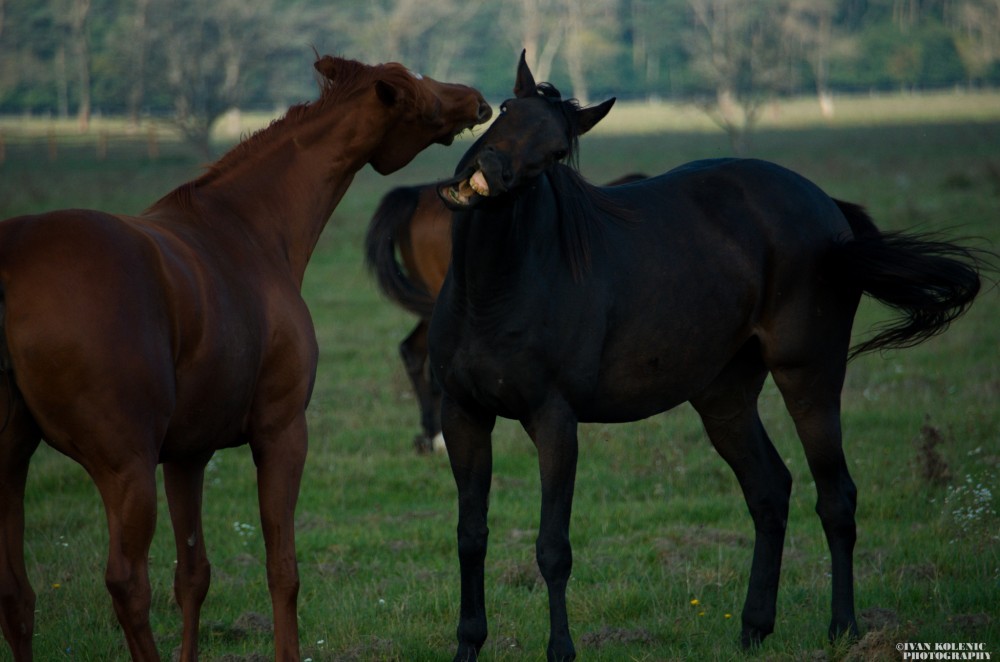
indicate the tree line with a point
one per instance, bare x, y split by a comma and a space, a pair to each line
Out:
191, 60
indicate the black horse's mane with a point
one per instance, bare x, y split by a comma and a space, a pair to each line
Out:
584, 209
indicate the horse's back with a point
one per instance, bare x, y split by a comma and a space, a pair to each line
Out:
718, 252
779, 200
725, 224
72, 259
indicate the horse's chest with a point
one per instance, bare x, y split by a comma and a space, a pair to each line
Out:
505, 371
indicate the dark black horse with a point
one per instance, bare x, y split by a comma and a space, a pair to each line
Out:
414, 221
571, 303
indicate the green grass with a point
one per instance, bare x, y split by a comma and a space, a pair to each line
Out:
658, 517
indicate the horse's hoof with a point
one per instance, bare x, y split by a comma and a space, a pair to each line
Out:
842, 632
423, 444
561, 650
751, 638
466, 654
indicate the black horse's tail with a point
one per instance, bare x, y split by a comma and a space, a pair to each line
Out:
930, 282
393, 213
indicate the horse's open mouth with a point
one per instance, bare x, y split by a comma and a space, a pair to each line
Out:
464, 191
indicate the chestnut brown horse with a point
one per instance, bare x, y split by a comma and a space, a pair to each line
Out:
414, 221
568, 303
130, 341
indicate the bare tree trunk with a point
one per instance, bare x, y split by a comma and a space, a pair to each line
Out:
62, 85
531, 28
574, 50
537, 19
80, 11
137, 89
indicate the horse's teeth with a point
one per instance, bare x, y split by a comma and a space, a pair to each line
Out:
478, 183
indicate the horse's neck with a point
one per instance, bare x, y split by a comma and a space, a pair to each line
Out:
499, 245
284, 192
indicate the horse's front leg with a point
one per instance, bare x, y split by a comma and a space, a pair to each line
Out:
553, 429
183, 483
280, 457
467, 437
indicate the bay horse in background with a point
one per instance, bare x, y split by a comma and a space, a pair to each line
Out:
570, 303
414, 221
130, 341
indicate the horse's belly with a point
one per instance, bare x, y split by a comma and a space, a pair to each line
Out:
639, 379
202, 431
636, 398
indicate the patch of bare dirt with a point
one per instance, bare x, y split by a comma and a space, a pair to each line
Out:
609, 635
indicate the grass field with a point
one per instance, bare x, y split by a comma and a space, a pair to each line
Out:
662, 538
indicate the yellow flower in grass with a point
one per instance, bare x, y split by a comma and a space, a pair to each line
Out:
695, 602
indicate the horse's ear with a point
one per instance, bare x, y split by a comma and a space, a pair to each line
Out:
589, 117
327, 66
524, 86
386, 92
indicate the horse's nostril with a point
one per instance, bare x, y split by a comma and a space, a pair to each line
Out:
485, 112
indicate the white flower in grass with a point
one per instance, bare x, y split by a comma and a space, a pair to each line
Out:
244, 530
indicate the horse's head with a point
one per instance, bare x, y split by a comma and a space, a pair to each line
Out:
534, 130
421, 111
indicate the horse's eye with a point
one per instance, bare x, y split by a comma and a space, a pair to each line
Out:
560, 154
503, 108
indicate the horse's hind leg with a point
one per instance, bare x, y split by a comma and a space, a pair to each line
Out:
280, 458
728, 410
19, 437
812, 397
183, 483
413, 351
129, 493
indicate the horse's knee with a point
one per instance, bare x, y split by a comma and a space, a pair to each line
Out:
555, 558
472, 542
124, 583
131, 597
283, 580
191, 582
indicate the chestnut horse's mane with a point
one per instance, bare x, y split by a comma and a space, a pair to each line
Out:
351, 77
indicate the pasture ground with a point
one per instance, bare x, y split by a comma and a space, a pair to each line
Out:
661, 535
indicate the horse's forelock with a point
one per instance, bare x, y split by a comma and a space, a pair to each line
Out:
569, 109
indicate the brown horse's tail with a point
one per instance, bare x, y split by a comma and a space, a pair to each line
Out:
930, 282
393, 215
